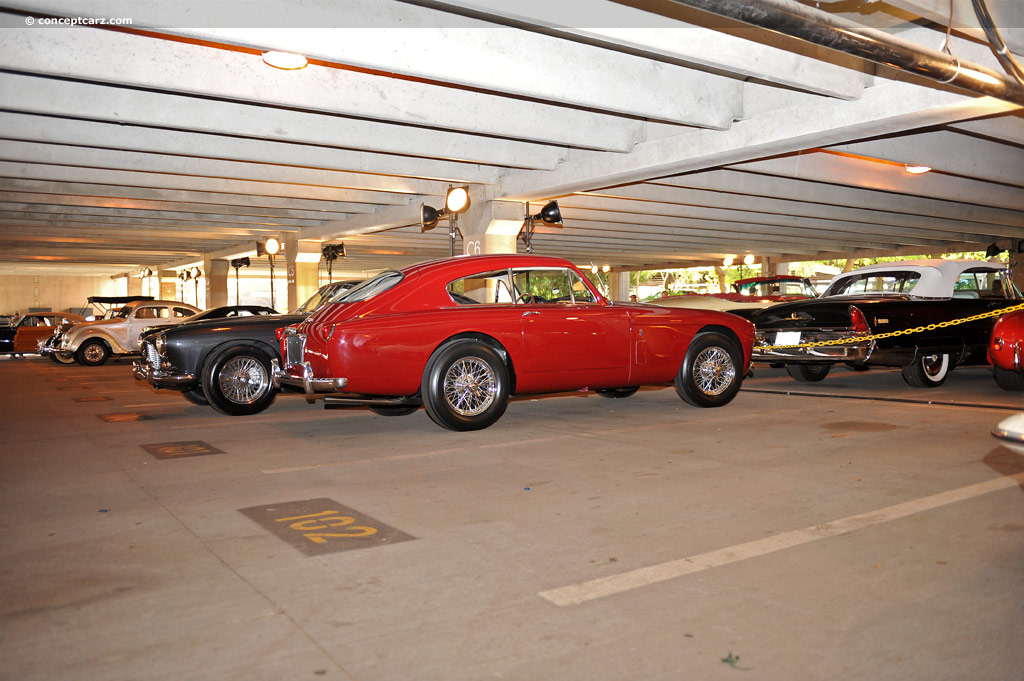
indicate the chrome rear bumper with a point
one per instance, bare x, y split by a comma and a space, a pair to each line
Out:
308, 383
765, 350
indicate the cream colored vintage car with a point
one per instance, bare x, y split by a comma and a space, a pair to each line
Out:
93, 343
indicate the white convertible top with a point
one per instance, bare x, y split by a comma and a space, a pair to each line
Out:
938, 277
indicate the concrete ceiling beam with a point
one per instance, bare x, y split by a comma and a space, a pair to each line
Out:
144, 61
622, 28
54, 130
89, 157
865, 174
159, 196
93, 101
885, 108
442, 47
259, 190
963, 155
747, 183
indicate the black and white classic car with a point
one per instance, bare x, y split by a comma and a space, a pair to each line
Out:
905, 314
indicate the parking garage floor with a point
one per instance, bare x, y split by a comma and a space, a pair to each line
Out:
850, 529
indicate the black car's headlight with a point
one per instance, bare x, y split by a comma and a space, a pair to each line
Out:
160, 343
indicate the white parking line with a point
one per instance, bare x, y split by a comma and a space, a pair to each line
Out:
467, 448
574, 594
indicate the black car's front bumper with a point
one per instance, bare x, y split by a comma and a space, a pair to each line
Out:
152, 369
162, 379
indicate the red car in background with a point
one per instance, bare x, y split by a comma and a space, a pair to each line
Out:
1006, 351
748, 295
459, 336
777, 289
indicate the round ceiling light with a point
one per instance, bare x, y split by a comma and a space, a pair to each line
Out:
286, 61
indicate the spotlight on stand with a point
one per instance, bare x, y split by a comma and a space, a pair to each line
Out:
194, 274
549, 215
146, 273
332, 252
993, 250
239, 263
184, 276
269, 247
456, 201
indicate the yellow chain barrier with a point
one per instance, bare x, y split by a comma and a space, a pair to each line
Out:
890, 334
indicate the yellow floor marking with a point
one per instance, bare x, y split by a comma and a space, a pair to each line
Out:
582, 592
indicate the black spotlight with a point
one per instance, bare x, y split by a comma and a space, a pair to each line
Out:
429, 217
549, 213
332, 252
993, 250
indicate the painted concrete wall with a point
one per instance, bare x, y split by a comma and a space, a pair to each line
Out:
59, 293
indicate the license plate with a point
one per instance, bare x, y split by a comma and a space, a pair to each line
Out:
787, 338
295, 346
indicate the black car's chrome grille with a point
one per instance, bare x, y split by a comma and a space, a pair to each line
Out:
295, 346
150, 355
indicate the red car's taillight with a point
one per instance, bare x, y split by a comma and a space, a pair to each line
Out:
860, 322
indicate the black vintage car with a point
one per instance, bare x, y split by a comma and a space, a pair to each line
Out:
893, 314
223, 362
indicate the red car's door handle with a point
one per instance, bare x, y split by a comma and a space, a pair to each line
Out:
530, 312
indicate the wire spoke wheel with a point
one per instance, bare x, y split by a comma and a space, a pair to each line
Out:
465, 385
715, 371
470, 386
243, 380
710, 375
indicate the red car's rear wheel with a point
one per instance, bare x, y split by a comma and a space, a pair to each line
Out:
465, 386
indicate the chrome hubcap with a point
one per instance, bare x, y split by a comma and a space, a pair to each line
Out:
714, 371
933, 365
470, 386
94, 352
243, 380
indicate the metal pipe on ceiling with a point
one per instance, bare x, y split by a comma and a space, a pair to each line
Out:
820, 28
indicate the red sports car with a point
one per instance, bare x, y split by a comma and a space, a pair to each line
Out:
458, 336
1006, 351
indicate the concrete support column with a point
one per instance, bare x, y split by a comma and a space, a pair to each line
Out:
487, 227
1017, 264
216, 272
303, 258
772, 266
168, 285
618, 286
722, 285
134, 286
493, 228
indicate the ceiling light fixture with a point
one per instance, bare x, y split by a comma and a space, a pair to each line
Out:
748, 259
916, 169
728, 261
286, 61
